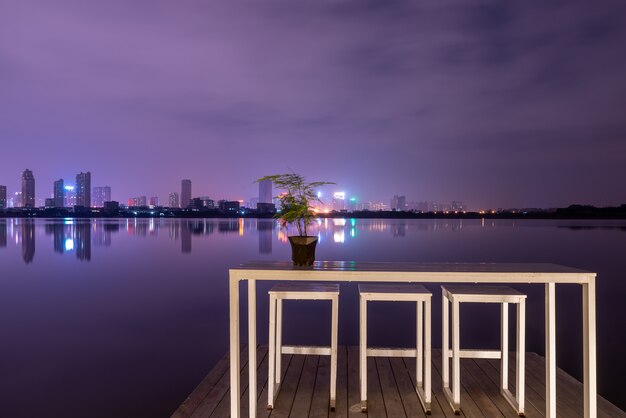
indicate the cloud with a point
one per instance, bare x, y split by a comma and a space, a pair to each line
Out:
405, 86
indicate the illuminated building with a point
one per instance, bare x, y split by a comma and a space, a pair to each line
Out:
339, 201
48, 202
207, 202
83, 189
174, 203
265, 191
398, 203
58, 194
3, 197
70, 196
138, 201
228, 206
185, 193
101, 195
28, 189
154, 201
458, 206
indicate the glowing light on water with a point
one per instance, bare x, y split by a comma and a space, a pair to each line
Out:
69, 244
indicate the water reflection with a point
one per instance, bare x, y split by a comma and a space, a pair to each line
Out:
78, 235
3, 233
28, 240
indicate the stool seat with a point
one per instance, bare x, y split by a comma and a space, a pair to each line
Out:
300, 291
482, 294
396, 291
422, 352
503, 295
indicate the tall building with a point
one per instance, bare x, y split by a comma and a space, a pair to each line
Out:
70, 196
185, 193
83, 189
398, 203
174, 203
339, 201
154, 201
3, 197
265, 191
59, 194
28, 189
101, 195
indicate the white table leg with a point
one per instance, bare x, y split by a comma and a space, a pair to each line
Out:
504, 346
589, 349
427, 353
252, 347
550, 351
363, 351
235, 410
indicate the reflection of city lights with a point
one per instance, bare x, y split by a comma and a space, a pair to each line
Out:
69, 244
353, 222
339, 222
68, 221
241, 226
339, 236
353, 232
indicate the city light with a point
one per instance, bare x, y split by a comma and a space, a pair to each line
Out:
69, 188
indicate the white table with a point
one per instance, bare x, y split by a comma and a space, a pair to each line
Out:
349, 271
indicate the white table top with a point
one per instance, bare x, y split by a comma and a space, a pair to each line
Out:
413, 272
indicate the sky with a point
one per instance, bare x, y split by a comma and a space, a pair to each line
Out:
495, 104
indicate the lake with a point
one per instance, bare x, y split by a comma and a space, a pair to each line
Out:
124, 317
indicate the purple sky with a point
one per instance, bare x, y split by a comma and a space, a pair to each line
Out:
495, 104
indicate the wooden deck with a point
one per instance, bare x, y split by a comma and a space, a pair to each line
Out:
391, 389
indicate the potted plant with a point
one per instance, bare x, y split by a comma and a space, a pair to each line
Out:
296, 209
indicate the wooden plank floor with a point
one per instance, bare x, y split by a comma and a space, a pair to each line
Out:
391, 389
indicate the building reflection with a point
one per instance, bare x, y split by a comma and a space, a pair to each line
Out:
185, 237
27, 230
265, 228
82, 242
3, 233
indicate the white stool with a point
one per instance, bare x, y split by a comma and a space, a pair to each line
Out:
483, 294
422, 352
300, 291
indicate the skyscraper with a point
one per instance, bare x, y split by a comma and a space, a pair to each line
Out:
154, 201
83, 189
174, 203
101, 195
3, 197
265, 191
185, 193
59, 194
28, 189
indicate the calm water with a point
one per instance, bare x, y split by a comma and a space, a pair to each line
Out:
123, 318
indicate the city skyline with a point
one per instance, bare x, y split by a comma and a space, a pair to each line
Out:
491, 104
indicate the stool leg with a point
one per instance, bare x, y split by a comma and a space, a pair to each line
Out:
504, 347
363, 352
333, 351
279, 338
419, 352
456, 356
521, 355
272, 359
